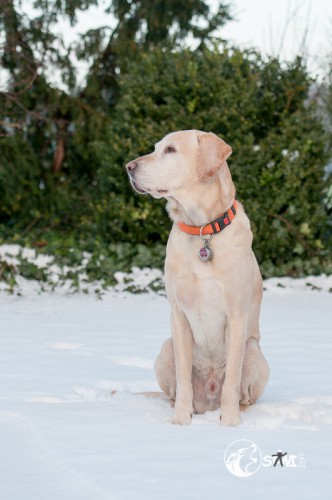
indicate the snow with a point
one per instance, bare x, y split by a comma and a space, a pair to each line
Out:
72, 427
136, 281
9, 253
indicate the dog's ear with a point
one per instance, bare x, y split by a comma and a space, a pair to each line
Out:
212, 154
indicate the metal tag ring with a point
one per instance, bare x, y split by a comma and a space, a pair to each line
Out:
201, 236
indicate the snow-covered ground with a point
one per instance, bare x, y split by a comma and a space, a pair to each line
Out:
64, 435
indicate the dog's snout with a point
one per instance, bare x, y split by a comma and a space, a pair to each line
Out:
131, 166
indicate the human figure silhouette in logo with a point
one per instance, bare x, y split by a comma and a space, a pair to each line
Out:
279, 458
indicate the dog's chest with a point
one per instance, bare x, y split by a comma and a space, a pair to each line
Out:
201, 299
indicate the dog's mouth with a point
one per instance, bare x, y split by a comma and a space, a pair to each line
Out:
139, 189
136, 186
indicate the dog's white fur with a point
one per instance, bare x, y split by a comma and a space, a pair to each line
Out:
214, 357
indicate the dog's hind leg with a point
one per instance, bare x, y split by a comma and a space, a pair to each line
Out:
206, 393
255, 373
165, 370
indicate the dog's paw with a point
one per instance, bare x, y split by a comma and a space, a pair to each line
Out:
180, 419
231, 420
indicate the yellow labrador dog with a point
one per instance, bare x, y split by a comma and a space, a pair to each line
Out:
212, 279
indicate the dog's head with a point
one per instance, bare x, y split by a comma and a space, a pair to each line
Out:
180, 160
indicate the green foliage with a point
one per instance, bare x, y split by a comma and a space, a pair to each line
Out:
19, 177
79, 270
142, 25
154, 22
8, 274
63, 187
261, 109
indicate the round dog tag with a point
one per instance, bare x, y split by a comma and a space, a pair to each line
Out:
205, 253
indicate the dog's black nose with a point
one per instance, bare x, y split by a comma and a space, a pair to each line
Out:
131, 165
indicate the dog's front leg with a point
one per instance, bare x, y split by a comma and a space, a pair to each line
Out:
235, 347
183, 351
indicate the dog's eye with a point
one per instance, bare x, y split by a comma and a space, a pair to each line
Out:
169, 149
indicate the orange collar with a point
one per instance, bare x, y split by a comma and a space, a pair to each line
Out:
213, 227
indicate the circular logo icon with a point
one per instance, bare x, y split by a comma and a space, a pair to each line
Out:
243, 458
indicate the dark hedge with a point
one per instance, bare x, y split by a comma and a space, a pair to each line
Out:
261, 108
